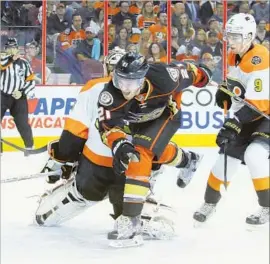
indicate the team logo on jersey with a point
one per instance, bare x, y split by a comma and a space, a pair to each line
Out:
237, 91
174, 73
256, 60
105, 98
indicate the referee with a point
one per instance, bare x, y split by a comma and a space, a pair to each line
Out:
17, 85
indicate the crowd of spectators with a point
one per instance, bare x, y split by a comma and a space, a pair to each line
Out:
75, 32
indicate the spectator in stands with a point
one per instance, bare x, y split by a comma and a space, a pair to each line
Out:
148, 16
188, 53
56, 22
90, 48
206, 11
261, 33
218, 13
145, 42
215, 26
124, 12
73, 35
111, 33
31, 51
160, 6
121, 39
214, 66
214, 45
200, 39
188, 37
156, 53
133, 32
87, 12
185, 25
136, 8
261, 10
99, 4
175, 43
192, 9
244, 8
159, 30
179, 9
98, 21
113, 9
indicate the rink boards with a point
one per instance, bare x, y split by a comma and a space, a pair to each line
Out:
201, 118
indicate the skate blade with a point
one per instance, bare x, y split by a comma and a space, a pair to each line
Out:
136, 241
254, 228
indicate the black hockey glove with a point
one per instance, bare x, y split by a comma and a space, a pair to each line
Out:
206, 76
123, 153
229, 132
221, 97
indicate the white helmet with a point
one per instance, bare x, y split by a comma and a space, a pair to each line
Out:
243, 24
112, 58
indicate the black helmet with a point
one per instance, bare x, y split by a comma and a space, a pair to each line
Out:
11, 43
131, 66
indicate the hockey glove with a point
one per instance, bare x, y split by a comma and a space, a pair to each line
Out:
58, 170
203, 75
229, 132
221, 97
123, 153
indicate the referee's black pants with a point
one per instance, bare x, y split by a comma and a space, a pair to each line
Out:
19, 110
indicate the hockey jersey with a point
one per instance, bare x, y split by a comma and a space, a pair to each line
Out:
80, 134
248, 78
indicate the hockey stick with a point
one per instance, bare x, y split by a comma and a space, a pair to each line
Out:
225, 104
244, 102
26, 151
225, 165
33, 176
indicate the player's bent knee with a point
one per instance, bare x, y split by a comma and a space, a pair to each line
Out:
61, 204
256, 151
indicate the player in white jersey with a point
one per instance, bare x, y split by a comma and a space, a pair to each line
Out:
245, 136
95, 178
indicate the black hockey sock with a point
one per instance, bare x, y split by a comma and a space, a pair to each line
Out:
211, 196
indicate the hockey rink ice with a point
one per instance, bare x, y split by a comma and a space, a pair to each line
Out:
224, 240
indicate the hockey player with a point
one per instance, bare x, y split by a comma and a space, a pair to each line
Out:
245, 136
143, 101
95, 178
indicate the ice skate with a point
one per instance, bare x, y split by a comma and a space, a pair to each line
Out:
186, 173
258, 220
203, 214
128, 230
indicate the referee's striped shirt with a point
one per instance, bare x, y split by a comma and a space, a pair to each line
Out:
17, 75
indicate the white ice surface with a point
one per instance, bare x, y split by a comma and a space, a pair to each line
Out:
83, 240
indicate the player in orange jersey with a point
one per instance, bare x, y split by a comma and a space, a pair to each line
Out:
245, 136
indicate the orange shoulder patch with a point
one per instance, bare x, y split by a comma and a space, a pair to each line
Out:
90, 84
256, 59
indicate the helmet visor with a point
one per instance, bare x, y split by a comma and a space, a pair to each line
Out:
233, 38
128, 87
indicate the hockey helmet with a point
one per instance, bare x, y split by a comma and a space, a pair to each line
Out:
129, 73
132, 66
242, 24
11, 43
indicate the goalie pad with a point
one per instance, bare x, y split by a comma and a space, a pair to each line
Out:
158, 220
60, 204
